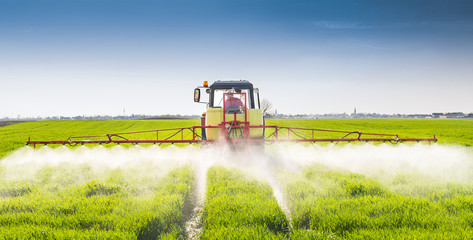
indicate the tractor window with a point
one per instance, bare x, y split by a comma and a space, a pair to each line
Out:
256, 98
218, 96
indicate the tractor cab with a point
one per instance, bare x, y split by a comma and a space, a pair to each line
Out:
233, 89
232, 107
217, 90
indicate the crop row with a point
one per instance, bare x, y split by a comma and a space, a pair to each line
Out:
64, 203
239, 207
352, 206
72, 203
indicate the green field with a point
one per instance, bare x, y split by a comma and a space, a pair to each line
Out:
448, 131
15, 136
80, 200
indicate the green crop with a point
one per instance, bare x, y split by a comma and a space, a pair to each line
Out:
447, 131
75, 203
72, 201
15, 136
352, 206
237, 207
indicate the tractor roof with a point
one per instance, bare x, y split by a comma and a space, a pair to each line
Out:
230, 84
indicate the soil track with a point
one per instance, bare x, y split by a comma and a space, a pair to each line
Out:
6, 123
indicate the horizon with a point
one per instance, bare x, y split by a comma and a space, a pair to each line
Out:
271, 115
97, 57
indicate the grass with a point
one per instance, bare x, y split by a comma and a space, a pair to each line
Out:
15, 136
71, 202
447, 131
351, 206
238, 207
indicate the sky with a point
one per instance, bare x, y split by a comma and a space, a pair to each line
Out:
99, 57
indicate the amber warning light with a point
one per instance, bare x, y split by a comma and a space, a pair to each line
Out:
206, 84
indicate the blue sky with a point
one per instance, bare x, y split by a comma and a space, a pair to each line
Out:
84, 57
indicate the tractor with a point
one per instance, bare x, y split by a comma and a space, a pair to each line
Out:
233, 111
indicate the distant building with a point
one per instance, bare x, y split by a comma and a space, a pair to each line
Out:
353, 115
449, 115
455, 115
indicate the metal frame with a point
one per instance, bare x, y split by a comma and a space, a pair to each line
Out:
279, 134
227, 127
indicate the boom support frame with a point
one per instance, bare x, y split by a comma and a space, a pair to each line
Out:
189, 135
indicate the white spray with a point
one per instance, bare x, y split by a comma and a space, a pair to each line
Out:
135, 161
26, 162
203, 161
260, 166
440, 162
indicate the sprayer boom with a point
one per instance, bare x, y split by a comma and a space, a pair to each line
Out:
190, 136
